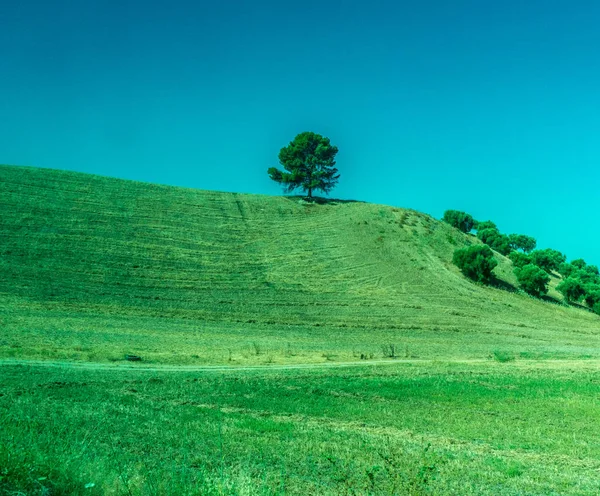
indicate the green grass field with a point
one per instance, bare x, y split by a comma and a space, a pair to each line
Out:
491, 391
426, 428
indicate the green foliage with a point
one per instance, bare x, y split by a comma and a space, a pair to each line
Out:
587, 277
566, 269
596, 308
309, 163
476, 262
592, 295
572, 289
586, 272
486, 224
548, 259
522, 242
533, 280
495, 240
519, 259
460, 220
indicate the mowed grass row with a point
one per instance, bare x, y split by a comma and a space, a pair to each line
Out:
95, 267
490, 428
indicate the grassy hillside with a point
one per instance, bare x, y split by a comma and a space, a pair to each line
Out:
93, 268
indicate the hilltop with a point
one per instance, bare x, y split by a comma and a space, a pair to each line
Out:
95, 267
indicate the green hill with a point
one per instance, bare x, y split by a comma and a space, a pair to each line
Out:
92, 268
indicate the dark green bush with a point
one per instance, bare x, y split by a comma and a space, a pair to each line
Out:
592, 295
533, 280
475, 262
572, 289
461, 220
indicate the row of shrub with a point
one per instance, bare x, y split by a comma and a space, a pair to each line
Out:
580, 281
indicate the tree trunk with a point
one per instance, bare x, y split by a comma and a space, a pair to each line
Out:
310, 192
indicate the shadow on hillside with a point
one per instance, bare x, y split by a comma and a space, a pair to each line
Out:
319, 200
549, 299
500, 284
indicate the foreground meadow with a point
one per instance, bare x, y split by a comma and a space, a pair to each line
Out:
519, 427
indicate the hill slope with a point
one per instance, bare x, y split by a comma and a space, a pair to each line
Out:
94, 267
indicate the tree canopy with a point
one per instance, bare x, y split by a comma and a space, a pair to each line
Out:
522, 242
533, 280
309, 164
572, 289
495, 240
475, 262
486, 224
461, 220
548, 259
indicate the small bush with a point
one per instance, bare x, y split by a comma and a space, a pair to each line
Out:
502, 356
476, 262
461, 220
533, 280
389, 350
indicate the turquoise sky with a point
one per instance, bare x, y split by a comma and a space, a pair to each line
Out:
488, 107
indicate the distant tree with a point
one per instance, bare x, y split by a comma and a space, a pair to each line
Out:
461, 220
475, 262
519, 259
572, 289
522, 242
495, 240
547, 259
592, 269
579, 263
533, 280
486, 224
309, 163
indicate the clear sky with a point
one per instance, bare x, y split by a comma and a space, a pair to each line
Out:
488, 107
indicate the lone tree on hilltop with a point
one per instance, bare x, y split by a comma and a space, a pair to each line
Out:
309, 163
